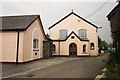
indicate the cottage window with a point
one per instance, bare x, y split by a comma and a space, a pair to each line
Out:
84, 48
63, 33
92, 46
35, 43
82, 33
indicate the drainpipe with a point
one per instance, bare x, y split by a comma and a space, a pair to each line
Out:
59, 48
17, 47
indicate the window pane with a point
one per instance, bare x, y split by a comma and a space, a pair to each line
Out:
82, 33
85, 34
63, 33
35, 43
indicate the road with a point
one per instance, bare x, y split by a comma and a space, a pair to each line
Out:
11, 69
85, 67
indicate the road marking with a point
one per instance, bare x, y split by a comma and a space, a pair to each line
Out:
103, 75
104, 70
98, 77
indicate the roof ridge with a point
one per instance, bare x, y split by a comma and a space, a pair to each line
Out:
17, 23
112, 11
19, 15
61, 19
75, 15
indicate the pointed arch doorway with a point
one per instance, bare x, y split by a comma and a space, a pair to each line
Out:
73, 49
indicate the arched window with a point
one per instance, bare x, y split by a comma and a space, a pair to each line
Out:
92, 46
82, 33
35, 39
84, 48
53, 48
63, 33
35, 43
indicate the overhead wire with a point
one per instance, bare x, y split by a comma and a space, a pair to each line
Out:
97, 10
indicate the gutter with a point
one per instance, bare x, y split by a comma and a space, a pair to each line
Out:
17, 47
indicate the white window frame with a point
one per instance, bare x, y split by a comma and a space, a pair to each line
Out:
35, 43
62, 33
82, 33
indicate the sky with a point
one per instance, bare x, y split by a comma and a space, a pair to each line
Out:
50, 12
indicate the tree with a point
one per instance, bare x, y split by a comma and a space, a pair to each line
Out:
110, 45
103, 45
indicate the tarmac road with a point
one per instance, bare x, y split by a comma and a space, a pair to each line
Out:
87, 67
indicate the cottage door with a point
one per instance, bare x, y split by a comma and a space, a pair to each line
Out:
72, 49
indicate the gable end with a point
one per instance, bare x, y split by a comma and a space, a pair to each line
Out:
75, 15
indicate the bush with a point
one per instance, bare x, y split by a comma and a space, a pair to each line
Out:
113, 64
118, 70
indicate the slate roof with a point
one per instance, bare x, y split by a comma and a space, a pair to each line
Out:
75, 15
113, 11
22, 22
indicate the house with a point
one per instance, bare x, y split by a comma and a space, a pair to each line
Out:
74, 36
114, 18
22, 38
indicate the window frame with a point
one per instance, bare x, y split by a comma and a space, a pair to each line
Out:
82, 33
92, 45
63, 33
35, 44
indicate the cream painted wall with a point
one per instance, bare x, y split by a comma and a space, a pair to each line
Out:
26, 53
73, 23
29, 54
0, 46
20, 53
9, 43
64, 46
57, 48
